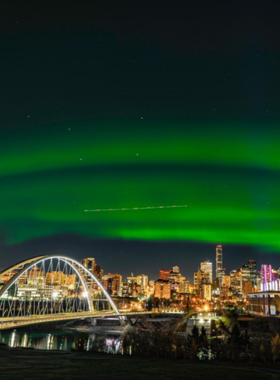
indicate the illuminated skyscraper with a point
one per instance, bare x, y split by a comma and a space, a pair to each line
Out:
249, 272
162, 289
266, 275
206, 267
96, 270
226, 281
219, 258
89, 263
142, 280
221, 272
235, 281
184, 286
164, 275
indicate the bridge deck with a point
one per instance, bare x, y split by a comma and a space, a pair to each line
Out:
12, 322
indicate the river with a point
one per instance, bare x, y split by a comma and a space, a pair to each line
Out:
62, 340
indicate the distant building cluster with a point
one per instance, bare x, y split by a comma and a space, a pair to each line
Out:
245, 288
210, 288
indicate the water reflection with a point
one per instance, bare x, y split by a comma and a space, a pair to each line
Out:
63, 340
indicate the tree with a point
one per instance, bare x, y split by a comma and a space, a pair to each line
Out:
220, 325
262, 352
275, 348
233, 344
229, 318
187, 314
193, 343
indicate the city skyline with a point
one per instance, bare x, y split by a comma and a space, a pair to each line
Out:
185, 268
40, 280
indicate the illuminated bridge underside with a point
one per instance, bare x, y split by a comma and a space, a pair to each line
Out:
51, 288
8, 323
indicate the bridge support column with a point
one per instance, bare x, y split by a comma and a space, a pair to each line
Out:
131, 322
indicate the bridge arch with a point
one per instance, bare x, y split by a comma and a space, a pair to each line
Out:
24, 267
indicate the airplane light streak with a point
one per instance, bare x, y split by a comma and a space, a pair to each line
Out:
135, 208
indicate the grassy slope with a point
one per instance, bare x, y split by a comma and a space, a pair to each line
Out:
29, 364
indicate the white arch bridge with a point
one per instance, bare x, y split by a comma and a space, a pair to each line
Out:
51, 288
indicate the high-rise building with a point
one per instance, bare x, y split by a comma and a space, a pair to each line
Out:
130, 288
164, 275
266, 275
184, 286
219, 258
235, 281
175, 275
258, 287
132, 280
112, 283
96, 270
200, 278
226, 281
224, 292
142, 280
162, 289
206, 267
176, 269
207, 292
197, 279
249, 272
220, 273
89, 263
247, 287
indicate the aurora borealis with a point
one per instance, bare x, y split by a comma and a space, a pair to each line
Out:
230, 190
99, 117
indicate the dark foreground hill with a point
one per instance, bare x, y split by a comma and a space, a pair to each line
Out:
30, 364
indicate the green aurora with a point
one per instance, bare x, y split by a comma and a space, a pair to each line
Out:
227, 174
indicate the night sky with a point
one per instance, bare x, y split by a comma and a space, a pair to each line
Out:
117, 105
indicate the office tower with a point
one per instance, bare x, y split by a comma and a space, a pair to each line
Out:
220, 273
249, 272
200, 279
184, 286
258, 287
207, 292
89, 263
142, 280
197, 279
266, 276
96, 270
219, 258
112, 283
224, 293
235, 281
164, 275
247, 287
226, 281
206, 267
174, 276
162, 289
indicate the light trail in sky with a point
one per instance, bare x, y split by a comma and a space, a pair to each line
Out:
134, 208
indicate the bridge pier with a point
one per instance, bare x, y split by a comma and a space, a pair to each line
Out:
134, 322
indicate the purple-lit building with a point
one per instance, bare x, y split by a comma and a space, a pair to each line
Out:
266, 276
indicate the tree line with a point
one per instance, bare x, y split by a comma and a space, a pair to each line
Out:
259, 341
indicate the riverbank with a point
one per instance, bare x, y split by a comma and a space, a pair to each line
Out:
33, 364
